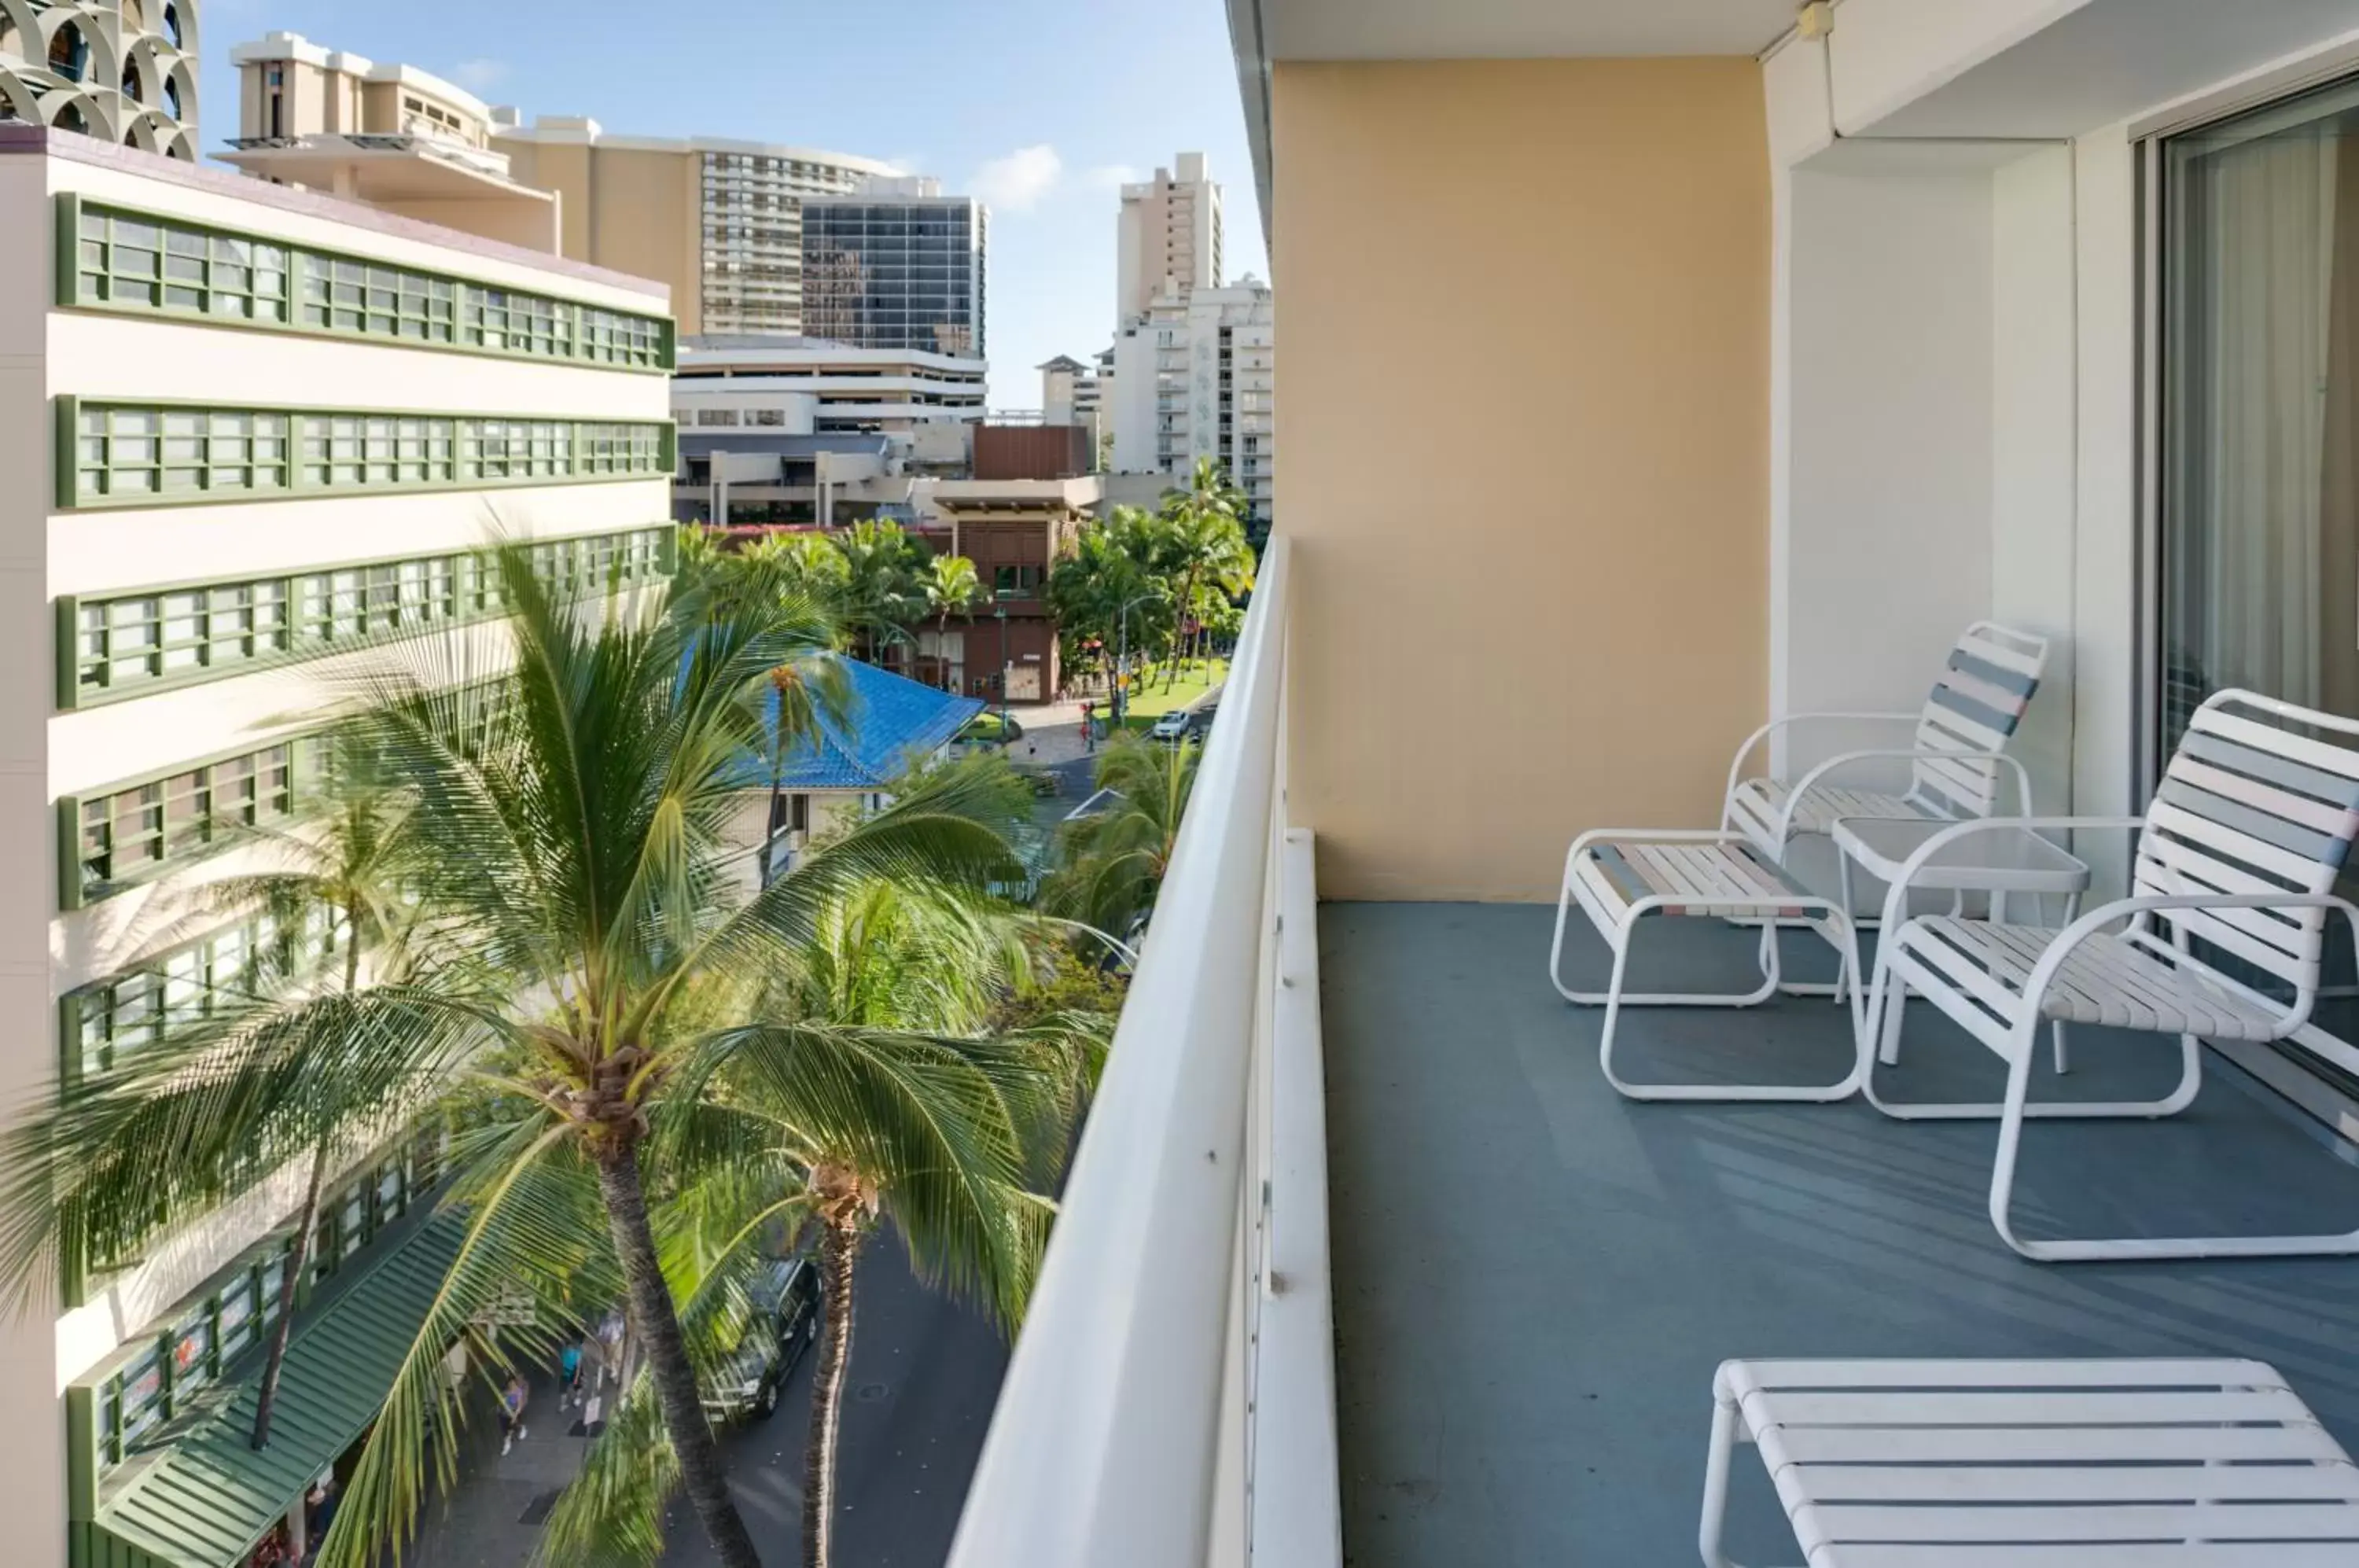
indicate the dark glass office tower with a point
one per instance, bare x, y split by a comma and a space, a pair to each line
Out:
883, 269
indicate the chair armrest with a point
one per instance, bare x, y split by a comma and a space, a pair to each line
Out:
1803, 785
2051, 959
1736, 763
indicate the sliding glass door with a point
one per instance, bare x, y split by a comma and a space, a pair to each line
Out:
2259, 567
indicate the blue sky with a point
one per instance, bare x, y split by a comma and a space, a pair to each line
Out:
1039, 106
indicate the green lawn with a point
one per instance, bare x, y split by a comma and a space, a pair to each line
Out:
1151, 701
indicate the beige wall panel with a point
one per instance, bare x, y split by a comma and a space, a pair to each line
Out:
1524, 332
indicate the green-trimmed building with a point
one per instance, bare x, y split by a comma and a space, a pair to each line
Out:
245, 429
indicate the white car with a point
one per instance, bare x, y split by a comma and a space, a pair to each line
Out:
1171, 726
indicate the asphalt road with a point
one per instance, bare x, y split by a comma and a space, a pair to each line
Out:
925, 1373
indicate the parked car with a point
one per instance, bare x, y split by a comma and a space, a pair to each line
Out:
1171, 726
785, 1322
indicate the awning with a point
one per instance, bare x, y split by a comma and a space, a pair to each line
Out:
208, 1498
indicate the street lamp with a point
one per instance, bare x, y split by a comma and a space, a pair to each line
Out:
1121, 654
999, 613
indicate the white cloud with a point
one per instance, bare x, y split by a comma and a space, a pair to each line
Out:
479, 75
907, 162
1017, 182
1110, 176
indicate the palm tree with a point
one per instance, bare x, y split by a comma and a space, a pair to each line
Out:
952, 588
1205, 543
349, 864
567, 800
1109, 865
882, 595
885, 1100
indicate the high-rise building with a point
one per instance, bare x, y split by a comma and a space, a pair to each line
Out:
1169, 237
1070, 395
720, 222
251, 436
1194, 378
897, 265
125, 71
392, 136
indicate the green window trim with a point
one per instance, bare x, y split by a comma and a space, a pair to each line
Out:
114, 452
152, 1377
133, 643
133, 261
129, 833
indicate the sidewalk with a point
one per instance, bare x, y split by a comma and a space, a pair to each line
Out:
493, 1516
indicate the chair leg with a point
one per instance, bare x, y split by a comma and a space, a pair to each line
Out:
2056, 1037
1895, 1003
1716, 1482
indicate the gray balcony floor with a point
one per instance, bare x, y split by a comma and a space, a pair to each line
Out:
1534, 1277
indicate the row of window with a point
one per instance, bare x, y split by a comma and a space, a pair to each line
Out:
129, 835
221, 971
127, 644
124, 453
132, 260
192, 1349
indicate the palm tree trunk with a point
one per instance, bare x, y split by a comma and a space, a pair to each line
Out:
267, 1398
653, 1321
839, 1248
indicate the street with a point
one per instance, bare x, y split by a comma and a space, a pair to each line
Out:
925, 1372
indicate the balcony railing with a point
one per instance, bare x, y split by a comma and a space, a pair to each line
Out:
1172, 1399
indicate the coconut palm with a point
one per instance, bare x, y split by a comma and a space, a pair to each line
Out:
952, 588
347, 863
882, 595
886, 1101
1204, 543
567, 803
1111, 865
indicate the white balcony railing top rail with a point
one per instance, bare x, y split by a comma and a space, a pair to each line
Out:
1126, 1432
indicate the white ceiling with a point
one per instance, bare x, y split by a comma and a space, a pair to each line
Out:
1509, 29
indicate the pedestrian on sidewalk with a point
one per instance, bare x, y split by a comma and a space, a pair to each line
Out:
512, 1402
569, 1368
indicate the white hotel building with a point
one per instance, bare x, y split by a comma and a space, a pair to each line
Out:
241, 427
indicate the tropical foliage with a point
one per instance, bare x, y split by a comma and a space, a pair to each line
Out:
1111, 865
644, 1074
1177, 569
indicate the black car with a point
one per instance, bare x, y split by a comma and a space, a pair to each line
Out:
786, 1320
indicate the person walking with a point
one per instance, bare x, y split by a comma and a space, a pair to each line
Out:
569, 1368
512, 1402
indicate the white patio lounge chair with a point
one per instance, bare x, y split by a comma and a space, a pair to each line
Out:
1956, 752
2083, 1464
2239, 851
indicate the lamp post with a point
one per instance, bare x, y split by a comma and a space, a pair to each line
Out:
1121, 655
999, 613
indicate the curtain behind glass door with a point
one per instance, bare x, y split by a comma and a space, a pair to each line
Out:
2260, 551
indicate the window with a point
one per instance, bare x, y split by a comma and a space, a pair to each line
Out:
716, 416
129, 835
139, 261
132, 454
1016, 582
125, 645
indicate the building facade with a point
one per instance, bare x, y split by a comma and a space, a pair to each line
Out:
897, 266
1169, 237
1014, 531
719, 223
392, 136
1196, 378
246, 428
122, 71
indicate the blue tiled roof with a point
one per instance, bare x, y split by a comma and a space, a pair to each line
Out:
889, 723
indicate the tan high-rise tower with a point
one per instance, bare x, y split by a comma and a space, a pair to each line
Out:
1171, 237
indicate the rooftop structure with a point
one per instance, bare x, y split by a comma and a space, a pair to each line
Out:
122, 71
391, 135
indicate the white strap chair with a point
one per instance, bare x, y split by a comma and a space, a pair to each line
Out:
1956, 752
2239, 851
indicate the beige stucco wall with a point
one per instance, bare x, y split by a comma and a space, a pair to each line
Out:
1524, 330
636, 210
